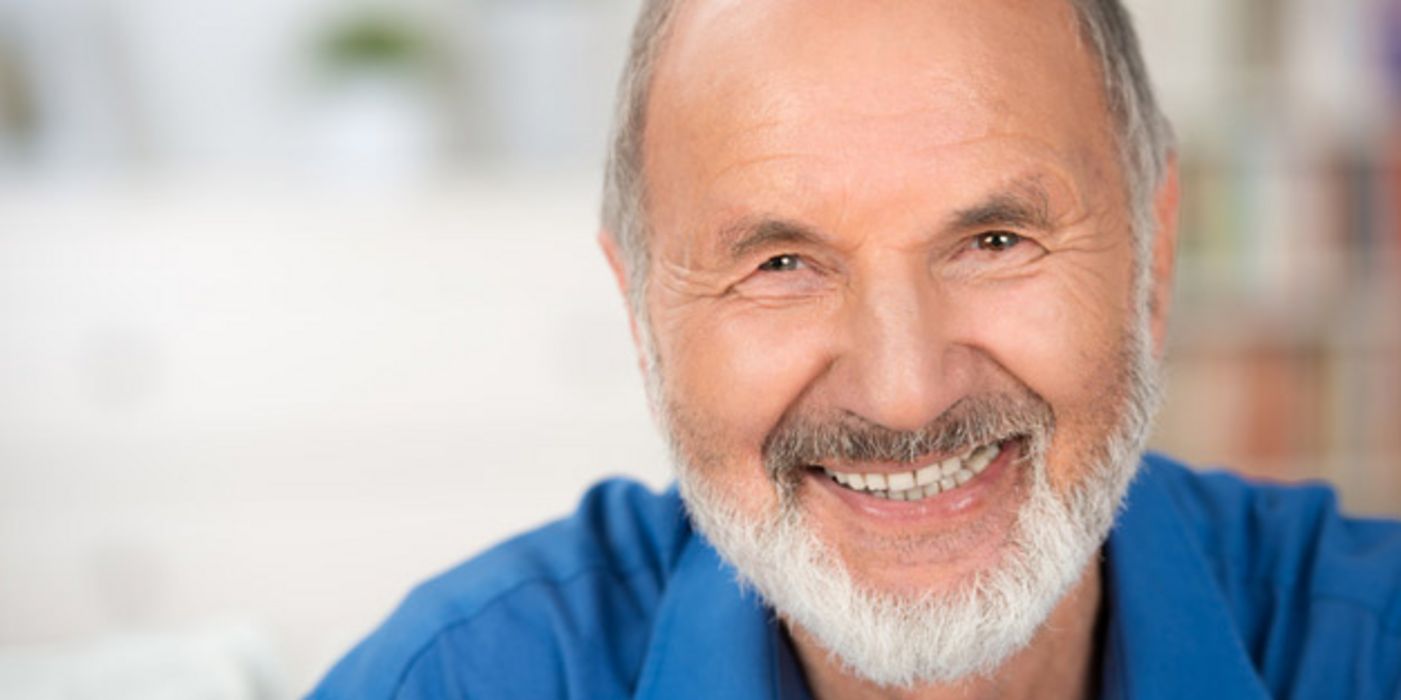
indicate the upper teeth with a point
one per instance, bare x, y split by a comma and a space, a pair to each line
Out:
920, 483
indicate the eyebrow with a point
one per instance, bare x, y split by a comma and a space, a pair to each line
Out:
747, 236
1025, 204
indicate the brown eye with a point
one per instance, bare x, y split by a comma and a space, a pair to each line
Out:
781, 263
996, 241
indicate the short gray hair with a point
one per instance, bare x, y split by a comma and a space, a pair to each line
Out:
1144, 136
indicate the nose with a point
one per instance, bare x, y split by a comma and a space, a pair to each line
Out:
900, 366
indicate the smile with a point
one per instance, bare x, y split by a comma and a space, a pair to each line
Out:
931, 480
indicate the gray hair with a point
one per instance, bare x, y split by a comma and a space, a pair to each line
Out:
1144, 136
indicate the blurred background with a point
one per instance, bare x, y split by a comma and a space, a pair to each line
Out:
299, 303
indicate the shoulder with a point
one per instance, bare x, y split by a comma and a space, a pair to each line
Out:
1316, 593
1288, 535
566, 606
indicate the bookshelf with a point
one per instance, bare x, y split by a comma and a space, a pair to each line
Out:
1284, 357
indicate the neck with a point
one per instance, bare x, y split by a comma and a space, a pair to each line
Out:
1059, 662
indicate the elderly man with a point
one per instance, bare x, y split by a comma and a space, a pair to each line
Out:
899, 275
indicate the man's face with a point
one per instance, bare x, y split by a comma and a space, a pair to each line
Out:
895, 217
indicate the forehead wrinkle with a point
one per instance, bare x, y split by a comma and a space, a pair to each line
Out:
732, 167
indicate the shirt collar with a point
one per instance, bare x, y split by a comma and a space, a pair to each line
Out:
1169, 631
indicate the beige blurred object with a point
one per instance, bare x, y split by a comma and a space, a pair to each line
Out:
16, 104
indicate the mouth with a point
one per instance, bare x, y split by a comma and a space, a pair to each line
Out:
937, 476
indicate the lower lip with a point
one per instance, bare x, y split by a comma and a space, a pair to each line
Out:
969, 497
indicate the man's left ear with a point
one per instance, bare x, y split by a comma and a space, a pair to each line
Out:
1165, 206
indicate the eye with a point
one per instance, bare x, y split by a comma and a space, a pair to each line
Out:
996, 241
781, 263
995, 253
784, 277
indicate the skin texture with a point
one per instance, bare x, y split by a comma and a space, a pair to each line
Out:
823, 177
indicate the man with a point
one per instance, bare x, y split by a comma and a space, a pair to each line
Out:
898, 274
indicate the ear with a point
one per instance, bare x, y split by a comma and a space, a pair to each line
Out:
609, 244
1165, 208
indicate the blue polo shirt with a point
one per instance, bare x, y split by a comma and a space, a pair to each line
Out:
1214, 588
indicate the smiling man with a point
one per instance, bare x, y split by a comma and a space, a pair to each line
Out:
898, 274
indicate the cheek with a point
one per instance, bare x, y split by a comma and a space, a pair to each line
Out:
1063, 337
737, 372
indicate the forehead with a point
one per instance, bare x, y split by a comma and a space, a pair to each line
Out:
871, 91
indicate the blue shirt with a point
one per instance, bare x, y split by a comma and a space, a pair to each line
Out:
1214, 588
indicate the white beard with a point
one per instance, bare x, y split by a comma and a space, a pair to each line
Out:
904, 640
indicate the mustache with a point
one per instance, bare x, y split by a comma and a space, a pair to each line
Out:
802, 440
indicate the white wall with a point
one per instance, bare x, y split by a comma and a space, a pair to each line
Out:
243, 403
